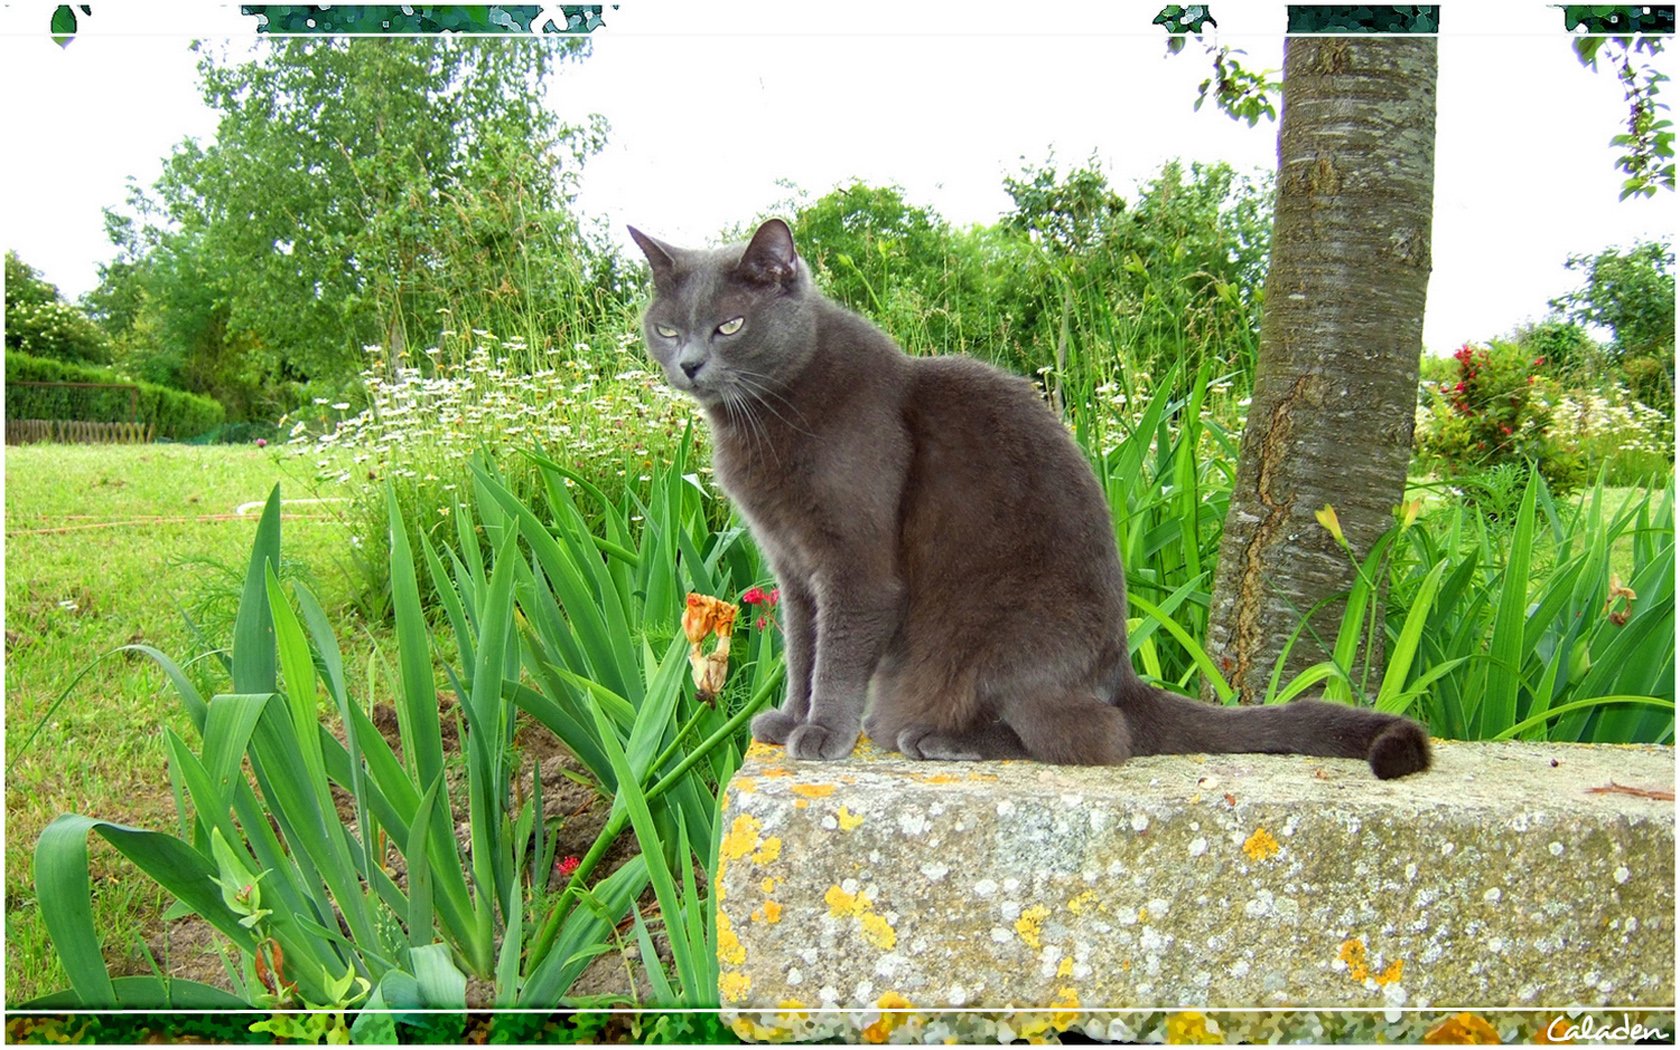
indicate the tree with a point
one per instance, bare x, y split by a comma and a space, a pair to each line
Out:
1631, 293
40, 322
355, 190
1336, 384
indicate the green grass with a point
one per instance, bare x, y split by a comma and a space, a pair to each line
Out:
74, 595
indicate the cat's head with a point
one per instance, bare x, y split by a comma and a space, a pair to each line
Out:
729, 324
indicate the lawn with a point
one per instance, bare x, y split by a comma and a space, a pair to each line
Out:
106, 546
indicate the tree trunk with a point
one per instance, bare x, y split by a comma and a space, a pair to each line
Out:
1336, 385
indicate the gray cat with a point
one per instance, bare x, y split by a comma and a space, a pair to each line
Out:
939, 540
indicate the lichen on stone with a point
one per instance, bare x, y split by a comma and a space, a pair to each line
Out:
1260, 845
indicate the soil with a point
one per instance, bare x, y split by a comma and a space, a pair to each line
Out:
190, 948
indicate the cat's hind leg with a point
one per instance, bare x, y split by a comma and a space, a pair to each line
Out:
989, 741
1073, 728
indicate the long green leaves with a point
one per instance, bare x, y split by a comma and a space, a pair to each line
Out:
550, 619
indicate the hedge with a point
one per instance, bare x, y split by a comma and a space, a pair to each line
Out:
176, 414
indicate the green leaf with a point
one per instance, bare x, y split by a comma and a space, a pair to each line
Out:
146, 992
1405, 647
254, 669
1505, 646
1580, 705
64, 892
63, 25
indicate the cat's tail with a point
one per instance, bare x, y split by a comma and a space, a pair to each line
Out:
1163, 723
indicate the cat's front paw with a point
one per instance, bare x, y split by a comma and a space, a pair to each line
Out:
773, 727
820, 742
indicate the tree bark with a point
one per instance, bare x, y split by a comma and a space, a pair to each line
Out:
1342, 333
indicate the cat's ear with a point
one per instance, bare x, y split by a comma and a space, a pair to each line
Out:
661, 257
770, 257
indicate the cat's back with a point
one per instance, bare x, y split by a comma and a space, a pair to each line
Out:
986, 444
974, 411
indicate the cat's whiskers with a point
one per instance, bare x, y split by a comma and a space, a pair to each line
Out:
753, 385
740, 410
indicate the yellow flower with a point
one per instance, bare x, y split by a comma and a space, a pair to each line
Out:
1408, 513
1327, 517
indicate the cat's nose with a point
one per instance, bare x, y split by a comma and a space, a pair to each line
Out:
691, 367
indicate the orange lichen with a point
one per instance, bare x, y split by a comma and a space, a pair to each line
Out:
1067, 1007
742, 839
734, 986
1352, 952
891, 1004
1190, 1027
1030, 923
1463, 1029
878, 931
768, 852
842, 904
1260, 845
730, 951
814, 790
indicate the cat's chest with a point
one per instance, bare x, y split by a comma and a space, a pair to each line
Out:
778, 497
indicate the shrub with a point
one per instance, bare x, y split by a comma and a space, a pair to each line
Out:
1498, 411
40, 322
596, 408
175, 413
1618, 433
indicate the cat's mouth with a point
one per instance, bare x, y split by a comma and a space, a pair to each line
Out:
697, 387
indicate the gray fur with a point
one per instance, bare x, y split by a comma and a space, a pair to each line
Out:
944, 552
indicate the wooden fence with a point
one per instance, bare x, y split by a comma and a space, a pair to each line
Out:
77, 432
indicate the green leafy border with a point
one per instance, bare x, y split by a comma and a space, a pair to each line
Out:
1371, 18
308, 19
474, 1027
1619, 21
385, 19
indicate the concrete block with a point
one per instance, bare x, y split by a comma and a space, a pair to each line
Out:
1511, 875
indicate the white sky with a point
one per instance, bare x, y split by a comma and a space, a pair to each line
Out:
713, 105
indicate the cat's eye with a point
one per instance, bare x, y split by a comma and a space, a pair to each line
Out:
731, 327
668, 333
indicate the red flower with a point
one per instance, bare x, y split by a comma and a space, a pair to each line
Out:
760, 623
756, 596
566, 866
